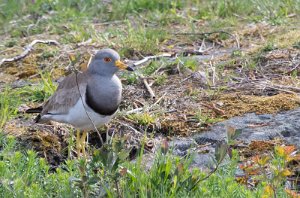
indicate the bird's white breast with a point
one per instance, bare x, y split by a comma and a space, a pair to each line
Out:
81, 116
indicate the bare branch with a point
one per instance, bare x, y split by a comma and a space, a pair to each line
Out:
27, 50
149, 89
147, 58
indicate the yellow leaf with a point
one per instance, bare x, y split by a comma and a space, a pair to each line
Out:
268, 192
72, 57
285, 172
263, 160
280, 151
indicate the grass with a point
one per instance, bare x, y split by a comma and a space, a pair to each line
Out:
204, 119
8, 104
10, 99
144, 119
24, 174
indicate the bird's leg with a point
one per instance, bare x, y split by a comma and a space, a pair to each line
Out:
82, 141
78, 143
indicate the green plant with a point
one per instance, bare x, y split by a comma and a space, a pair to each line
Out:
42, 91
296, 45
9, 100
151, 68
190, 63
160, 79
131, 78
269, 47
205, 119
141, 39
109, 173
144, 119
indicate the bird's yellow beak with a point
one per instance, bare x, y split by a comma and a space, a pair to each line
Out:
122, 65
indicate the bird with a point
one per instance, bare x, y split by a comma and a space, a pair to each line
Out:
86, 99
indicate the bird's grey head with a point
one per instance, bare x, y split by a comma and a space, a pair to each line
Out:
107, 62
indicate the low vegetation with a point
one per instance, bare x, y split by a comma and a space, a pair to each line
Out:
109, 173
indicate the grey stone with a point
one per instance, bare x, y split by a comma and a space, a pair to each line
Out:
285, 125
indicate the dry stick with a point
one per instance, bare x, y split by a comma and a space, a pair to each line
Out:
130, 127
147, 58
280, 87
202, 45
146, 108
159, 99
148, 88
84, 43
28, 50
134, 110
213, 70
293, 69
237, 41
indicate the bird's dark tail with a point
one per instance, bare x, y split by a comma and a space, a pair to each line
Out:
34, 110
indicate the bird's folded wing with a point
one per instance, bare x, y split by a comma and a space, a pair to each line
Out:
66, 95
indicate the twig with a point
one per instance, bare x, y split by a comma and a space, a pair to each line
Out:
280, 87
148, 88
202, 33
145, 108
84, 43
28, 50
159, 99
293, 69
147, 58
202, 46
213, 69
127, 125
134, 110
214, 108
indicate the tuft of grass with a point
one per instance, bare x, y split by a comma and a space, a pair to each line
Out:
141, 40
268, 47
9, 101
204, 119
131, 78
144, 119
191, 64
151, 68
160, 79
42, 91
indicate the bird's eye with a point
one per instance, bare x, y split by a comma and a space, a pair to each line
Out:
107, 59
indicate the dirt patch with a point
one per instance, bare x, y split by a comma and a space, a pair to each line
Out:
49, 141
236, 104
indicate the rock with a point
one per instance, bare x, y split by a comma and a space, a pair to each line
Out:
284, 125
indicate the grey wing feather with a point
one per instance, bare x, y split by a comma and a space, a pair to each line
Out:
66, 95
